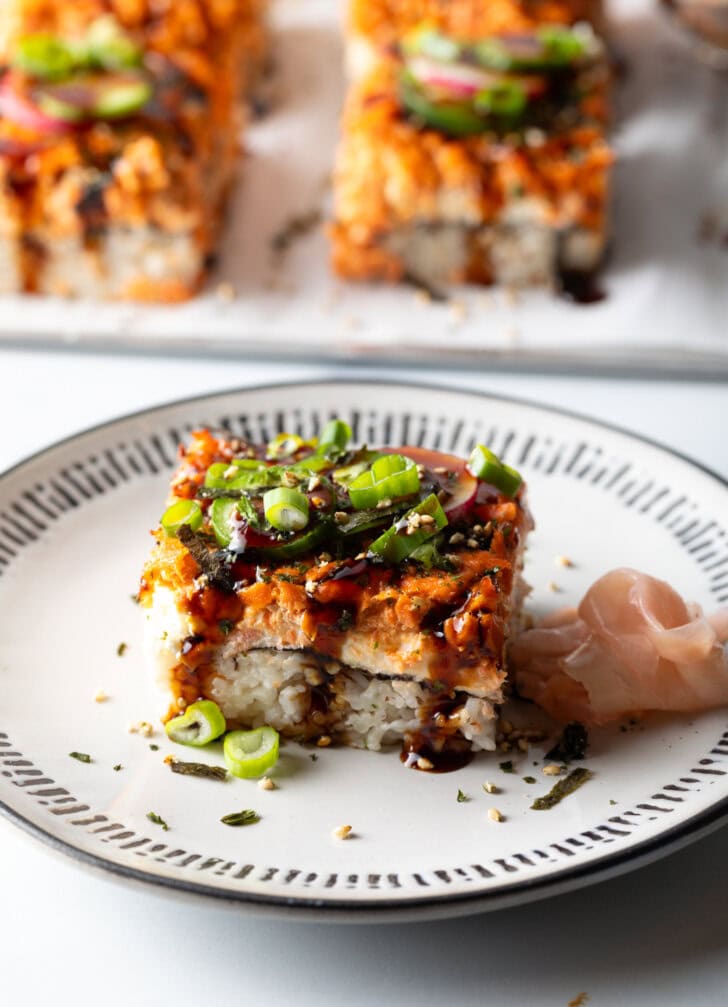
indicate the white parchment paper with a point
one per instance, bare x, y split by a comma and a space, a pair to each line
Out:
667, 280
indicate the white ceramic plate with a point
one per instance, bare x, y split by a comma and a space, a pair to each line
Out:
74, 524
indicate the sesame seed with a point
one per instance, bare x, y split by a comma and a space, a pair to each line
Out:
490, 788
310, 586
495, 815
477, 528
360, 555
426, 519
325, 557
230, 472
554, 588
523, 744
458, 311
265, 783
564, 561
324, 741
100, 696
457, 538
313, 483
441, 470
423, 763
552, 770
342, 832
383, 504
290, 479
341, 517
472, 543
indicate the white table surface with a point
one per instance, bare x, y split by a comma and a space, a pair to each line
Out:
658, 936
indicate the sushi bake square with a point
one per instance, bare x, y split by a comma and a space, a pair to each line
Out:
120, 127
481, 160
295, 597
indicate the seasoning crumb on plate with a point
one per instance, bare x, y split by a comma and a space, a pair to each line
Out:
342, 832
265, 783
564, 561
142, 727
495, 815
100, 696
552, 770
490, 788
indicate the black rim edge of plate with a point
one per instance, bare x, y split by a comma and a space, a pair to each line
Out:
610, 863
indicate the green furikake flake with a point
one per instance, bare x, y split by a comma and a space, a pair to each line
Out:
225, 626
246, 817
121, 649
154, 817
117, 767
197, 769
313, 757
506, 767
80, 756
462, 798
529, 779
562, 789
154, 748
612, 802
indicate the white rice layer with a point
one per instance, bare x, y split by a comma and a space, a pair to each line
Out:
519, 253
307, 695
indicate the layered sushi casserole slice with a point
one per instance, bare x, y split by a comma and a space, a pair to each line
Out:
477, 154
339, 594
120, 126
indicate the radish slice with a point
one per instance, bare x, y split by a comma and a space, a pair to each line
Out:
18, 109
457, 79
463, 490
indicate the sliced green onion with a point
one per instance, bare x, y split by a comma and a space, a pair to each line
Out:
336, 434
409, 533
487, 466
284, 445
117, 98
286, 509
179, 513
390, 477
426, 41
251, 753
348, 473
44, 56
243, 474
108, 48
200, 724
562, 45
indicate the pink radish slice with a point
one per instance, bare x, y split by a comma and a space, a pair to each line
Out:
459, 80
18, 109
463, 490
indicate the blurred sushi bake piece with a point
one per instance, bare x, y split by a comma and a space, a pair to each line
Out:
477, 157
120, 126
